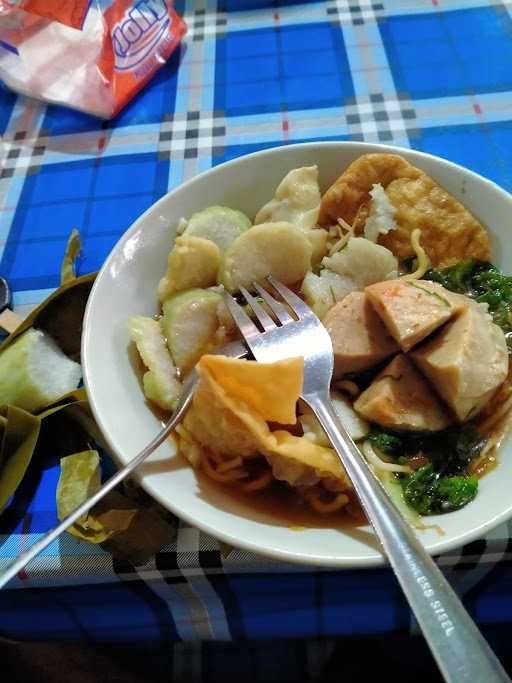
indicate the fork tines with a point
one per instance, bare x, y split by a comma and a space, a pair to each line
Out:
281, 314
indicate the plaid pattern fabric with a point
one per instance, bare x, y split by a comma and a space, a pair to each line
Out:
251, 74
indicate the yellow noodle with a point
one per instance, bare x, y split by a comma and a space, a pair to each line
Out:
489, 446
216, 457
349, 387
227, 478
503, 432
260, 483
493, 420
496, 439
337, 246
421, 256
331, 506
229, 464
252, 456
188, 447
485, 460
346, 226
379, 464
501, 428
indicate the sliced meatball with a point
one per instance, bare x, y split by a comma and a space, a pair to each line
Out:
359, 338
411, 310
466, 361
401, 399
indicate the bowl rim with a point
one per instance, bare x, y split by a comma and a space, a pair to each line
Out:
377, 560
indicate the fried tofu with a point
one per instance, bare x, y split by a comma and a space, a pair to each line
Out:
359, 339
351, 190
411, 310
466, 361
449, 232
401, 399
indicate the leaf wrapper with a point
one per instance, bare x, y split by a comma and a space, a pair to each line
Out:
22, 436
19, 431
119, 524
60, 315
131, 529
73, 247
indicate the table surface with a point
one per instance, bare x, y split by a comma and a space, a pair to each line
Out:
433, 75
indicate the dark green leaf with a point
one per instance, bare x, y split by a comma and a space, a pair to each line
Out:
419, 489
483, 282
442, 484
450, 451
390, 444
427, 492
457, 491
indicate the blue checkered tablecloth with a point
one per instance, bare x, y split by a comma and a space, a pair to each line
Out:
434, 75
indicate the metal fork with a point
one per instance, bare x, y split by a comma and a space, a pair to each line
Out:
458, 647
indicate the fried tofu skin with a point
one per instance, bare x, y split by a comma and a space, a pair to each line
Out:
449, 232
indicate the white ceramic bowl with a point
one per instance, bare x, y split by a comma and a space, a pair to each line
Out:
126, 286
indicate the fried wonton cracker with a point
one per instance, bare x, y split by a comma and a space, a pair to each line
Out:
449, 232
231, 406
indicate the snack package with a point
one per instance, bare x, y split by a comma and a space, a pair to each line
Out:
91, 55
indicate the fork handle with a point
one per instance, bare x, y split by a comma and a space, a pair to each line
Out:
457, 645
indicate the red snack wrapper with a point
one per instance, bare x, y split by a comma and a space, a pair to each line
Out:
89, 55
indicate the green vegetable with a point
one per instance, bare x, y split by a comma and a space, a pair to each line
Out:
442, 484
445, 302
458, 278
392, 483
484, 283
458, 491
427, 492
450, 450
385, 442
